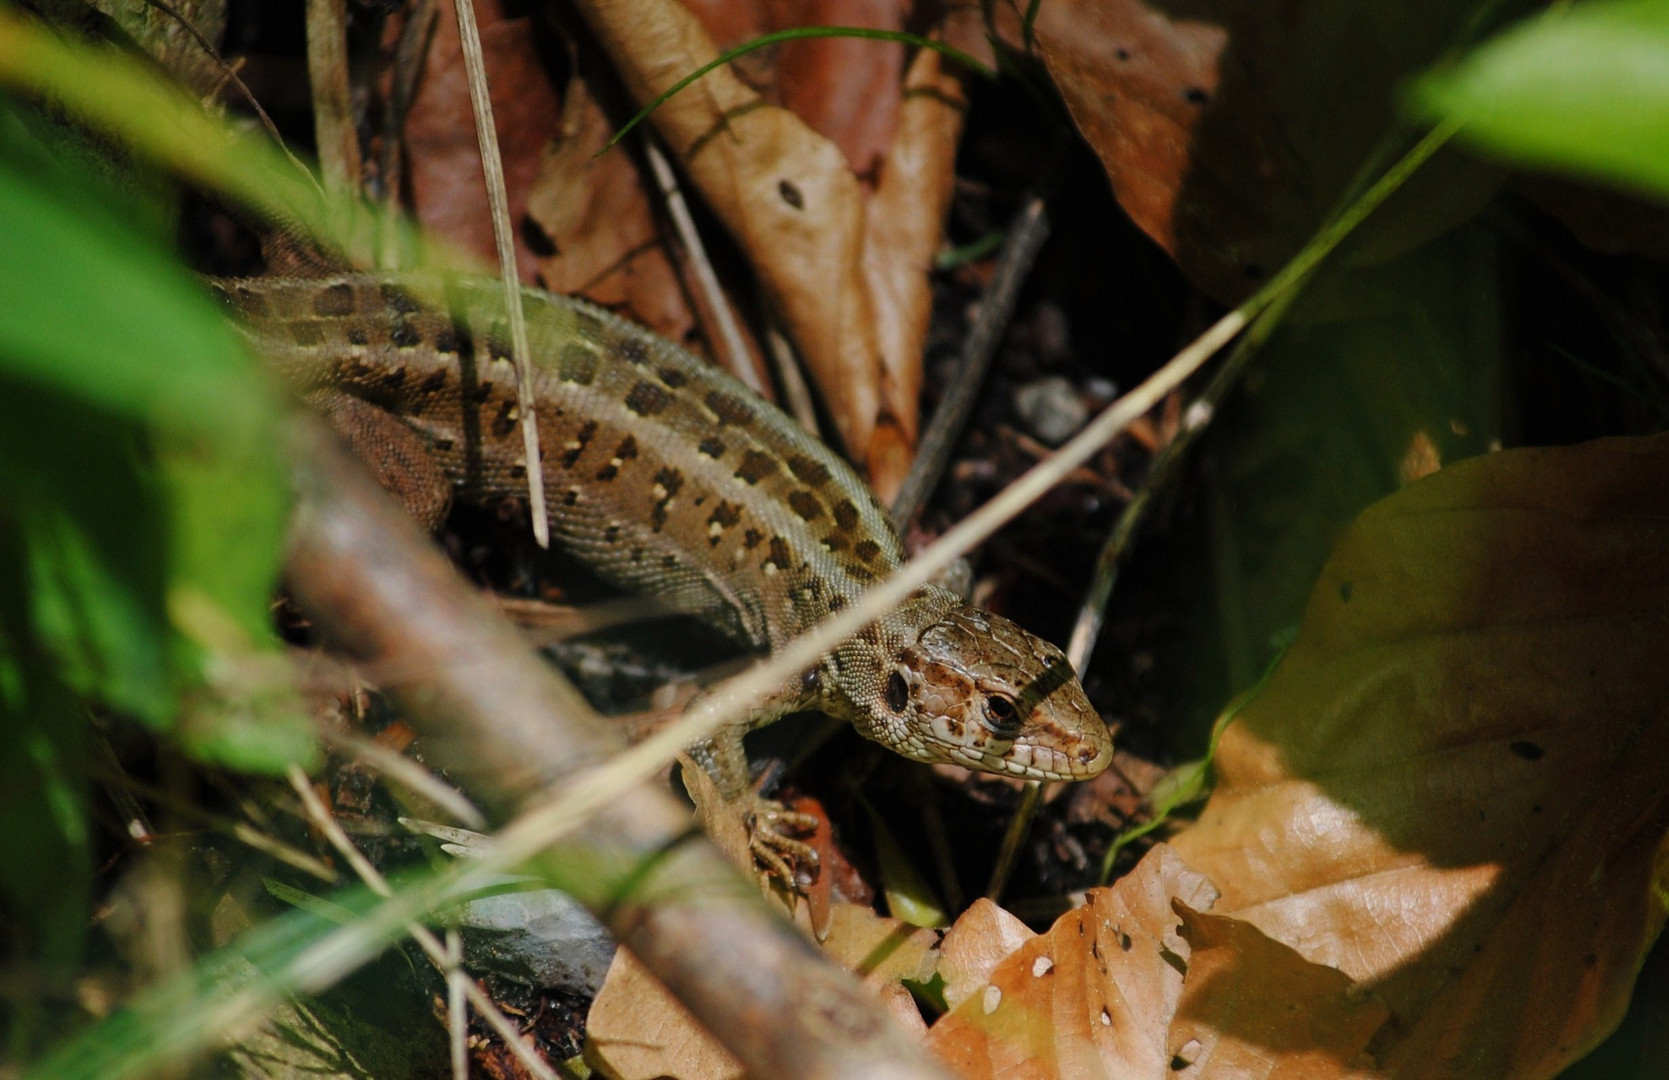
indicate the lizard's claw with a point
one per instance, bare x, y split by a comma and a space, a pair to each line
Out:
771, 828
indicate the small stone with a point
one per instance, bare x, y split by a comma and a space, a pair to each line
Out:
1051, 409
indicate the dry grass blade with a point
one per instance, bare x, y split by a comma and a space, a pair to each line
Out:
498, 203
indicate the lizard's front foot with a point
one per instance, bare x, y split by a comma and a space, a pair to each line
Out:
771, 837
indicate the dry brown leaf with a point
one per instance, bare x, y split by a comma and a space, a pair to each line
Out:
846, 89
787, 195
982, 937
637, 1031
443, 161
1451, 787
904, 223
1252, 1007
598, 217
1230, 130
1092, 997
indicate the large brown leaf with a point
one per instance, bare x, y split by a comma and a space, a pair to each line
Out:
1231, 130
1451, 789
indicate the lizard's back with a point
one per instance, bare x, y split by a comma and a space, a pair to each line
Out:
664, 474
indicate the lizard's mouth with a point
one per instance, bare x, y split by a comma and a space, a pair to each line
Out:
1053, 755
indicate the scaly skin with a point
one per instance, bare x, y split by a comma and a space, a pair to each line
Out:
669, 478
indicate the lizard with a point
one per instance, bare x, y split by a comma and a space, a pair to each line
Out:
668, 477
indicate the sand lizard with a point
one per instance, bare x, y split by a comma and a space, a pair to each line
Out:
668, 478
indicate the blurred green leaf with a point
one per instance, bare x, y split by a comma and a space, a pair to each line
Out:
138, 463
46, 874
1584, 89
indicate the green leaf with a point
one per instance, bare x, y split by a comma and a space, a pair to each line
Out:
138, 464
1583, 89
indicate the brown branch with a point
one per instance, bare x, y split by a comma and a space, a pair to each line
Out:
506, 725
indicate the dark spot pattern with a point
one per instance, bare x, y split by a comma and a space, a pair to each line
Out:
452, 341
399, 302
307, 333
752, 539
589, 326
405, 336
582, 439
837, 602
755, 467
518, 472
572, 497
334, 300
726, 515
434, 384
393, 378
729, 408
498, 345
672, 377
358, 335
611, 534
577, 364
791, 195
808, 470
632, 350
251, 303
504, 423
834, 542
483, 390
867, 550
779, 554
712, 448
670, 481
805, 504
647, 399
846, 515
626, 451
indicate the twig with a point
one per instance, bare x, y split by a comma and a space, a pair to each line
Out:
735, 358
327, 70
786, 364
498, 201
231, 74
1025, 239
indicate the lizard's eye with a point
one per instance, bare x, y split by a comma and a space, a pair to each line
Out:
1002, 714
898, 693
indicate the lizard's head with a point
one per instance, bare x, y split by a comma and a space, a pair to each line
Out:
975, 690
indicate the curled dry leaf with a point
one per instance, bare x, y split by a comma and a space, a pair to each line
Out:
982, 938
1451, 787
790, 199
1229, 130
1091, 997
